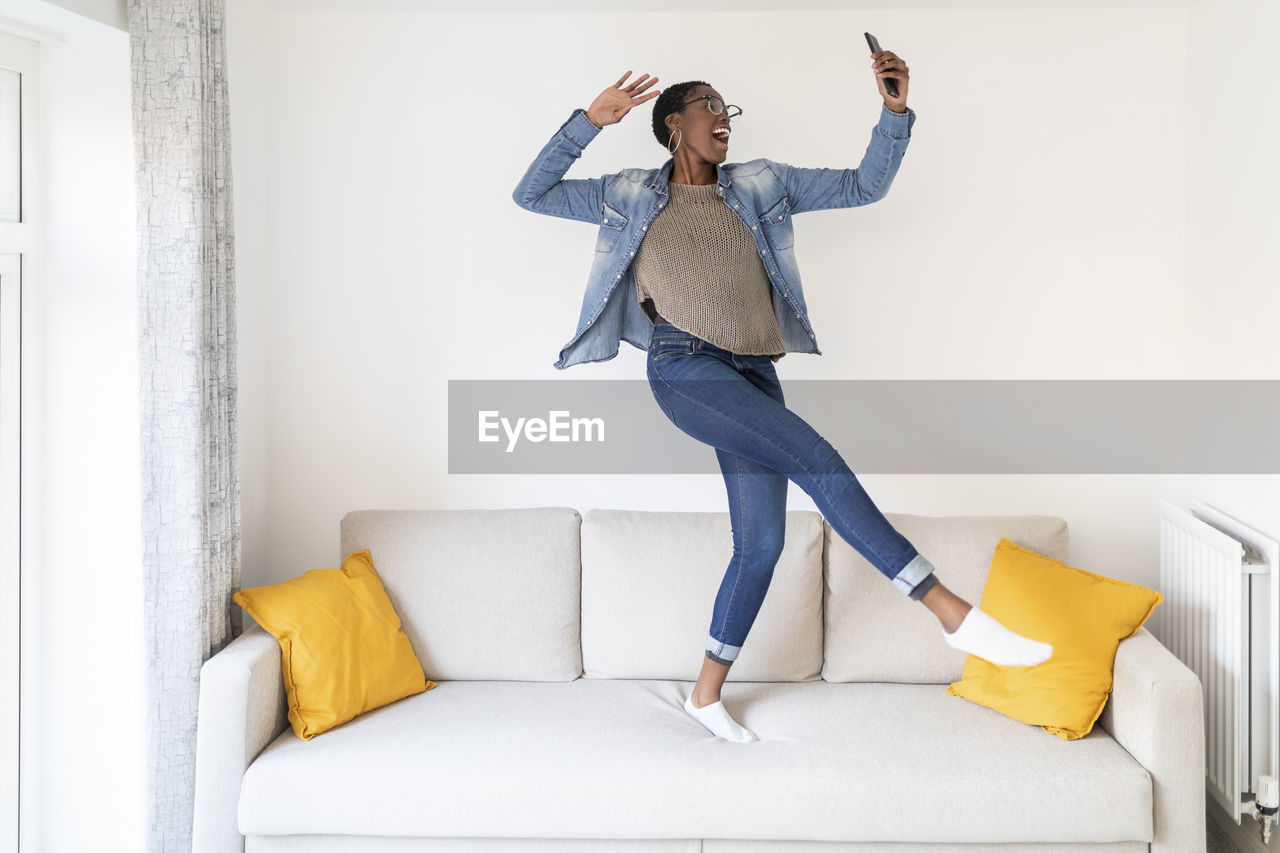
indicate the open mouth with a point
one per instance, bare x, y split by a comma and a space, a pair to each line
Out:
721, 137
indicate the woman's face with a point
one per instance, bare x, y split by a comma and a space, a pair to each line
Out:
697, 128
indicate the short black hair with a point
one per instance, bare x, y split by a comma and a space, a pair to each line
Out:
669, 102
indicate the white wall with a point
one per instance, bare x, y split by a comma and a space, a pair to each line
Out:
113, 13
1062, 167
250, 33
1233, 306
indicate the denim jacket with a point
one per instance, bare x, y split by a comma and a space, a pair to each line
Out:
764, 193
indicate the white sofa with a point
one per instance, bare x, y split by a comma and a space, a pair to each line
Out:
563, 646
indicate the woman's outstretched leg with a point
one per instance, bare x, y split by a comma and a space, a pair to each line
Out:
709, 399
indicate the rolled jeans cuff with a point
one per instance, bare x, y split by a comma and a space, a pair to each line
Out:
929, 582
911, 580
721, 653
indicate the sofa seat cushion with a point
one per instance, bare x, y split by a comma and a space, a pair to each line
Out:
601, 758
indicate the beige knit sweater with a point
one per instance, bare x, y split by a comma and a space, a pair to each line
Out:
697, 267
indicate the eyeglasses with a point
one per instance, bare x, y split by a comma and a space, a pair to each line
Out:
716, 105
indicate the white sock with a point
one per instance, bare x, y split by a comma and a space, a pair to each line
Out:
718, 721
981, 635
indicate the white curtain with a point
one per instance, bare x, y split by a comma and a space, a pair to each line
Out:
187, 389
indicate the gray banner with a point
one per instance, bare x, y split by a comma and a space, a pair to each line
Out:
885, 426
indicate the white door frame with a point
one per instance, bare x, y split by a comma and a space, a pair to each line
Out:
19, 452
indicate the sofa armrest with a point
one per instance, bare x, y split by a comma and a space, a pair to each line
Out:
1156, 712
242, 709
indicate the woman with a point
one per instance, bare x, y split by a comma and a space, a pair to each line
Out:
698, 256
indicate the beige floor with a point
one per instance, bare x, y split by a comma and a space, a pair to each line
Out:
1215, 841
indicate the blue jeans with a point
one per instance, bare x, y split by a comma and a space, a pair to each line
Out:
734, 403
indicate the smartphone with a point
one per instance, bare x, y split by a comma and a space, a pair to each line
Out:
890, 85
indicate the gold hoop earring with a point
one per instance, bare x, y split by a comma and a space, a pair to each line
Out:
673, 150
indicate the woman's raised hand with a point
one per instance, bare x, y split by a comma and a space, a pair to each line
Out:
616, 101
887, 64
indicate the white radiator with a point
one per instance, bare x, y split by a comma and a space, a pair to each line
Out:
1221, 617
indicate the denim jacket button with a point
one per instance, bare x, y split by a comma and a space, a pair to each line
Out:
753, 228
606, 221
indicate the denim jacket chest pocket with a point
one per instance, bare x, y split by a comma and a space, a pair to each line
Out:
612, 224
777, 224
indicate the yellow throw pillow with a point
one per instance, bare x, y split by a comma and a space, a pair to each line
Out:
342, 649
1082, 614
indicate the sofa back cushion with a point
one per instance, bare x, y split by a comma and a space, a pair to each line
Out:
484, 594
649, 583
875, 633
